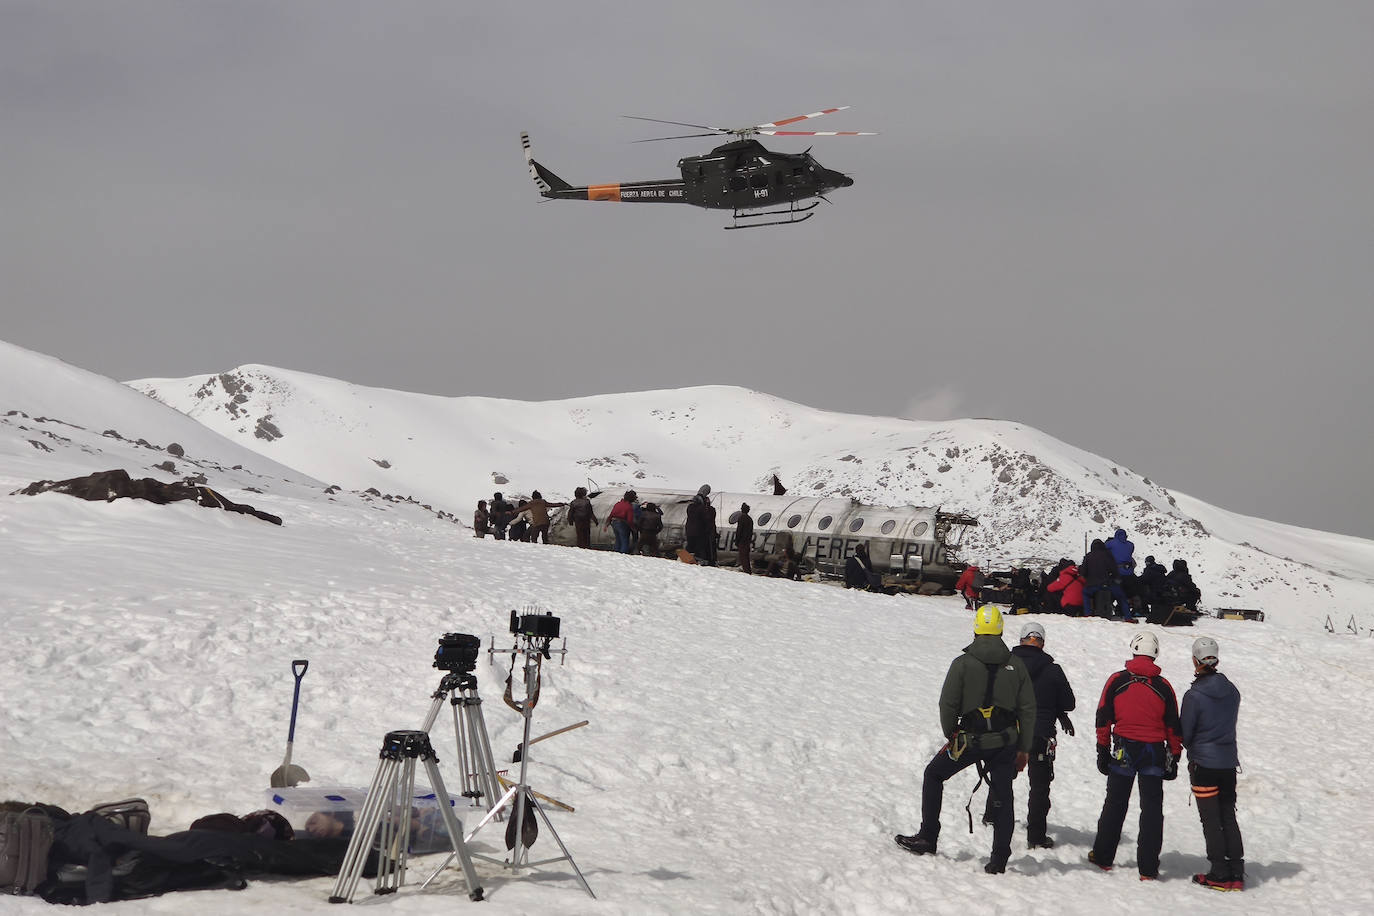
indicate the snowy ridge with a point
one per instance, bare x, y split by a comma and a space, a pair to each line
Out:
1037, 497
754, 743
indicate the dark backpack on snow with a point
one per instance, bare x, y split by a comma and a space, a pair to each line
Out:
26, 833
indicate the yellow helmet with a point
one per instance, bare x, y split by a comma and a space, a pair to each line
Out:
988, 621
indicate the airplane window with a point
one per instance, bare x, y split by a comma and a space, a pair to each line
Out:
856, 524
888, 526
738, 183
920, 529
763, 519
825, 522
759, 181
794, 521
734, 517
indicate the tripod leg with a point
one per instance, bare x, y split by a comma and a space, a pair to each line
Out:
539, 809
481, 749
355, 858
455, 831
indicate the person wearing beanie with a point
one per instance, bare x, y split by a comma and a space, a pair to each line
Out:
744, 539
1054, 700
1211, 707
987, 715
700, 529
1137, 742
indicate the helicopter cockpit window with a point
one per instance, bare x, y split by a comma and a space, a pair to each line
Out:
738, 183
758, 180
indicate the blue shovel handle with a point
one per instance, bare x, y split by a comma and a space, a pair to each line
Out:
298, 668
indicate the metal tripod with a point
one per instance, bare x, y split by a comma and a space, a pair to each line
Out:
480, 783
518, 798
386, 818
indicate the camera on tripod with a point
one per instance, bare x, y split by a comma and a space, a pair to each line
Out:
457, 652
539, 626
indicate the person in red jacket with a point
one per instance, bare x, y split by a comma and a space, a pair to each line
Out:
1138, 740
1070, 586
970, 585
622, 519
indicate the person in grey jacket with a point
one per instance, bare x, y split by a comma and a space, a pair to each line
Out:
1208, 715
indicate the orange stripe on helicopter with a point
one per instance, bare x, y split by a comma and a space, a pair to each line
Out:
603, 192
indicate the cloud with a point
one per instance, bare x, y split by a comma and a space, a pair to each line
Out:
943, 403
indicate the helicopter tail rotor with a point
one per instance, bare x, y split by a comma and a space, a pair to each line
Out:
547, 182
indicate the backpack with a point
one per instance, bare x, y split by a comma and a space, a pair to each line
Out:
26, 834
979, 580
130, 814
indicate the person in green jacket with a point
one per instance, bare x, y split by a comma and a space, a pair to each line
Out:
987, 714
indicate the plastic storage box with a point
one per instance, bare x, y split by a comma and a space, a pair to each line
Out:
332, 811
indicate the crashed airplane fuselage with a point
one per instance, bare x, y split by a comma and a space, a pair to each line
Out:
909, 541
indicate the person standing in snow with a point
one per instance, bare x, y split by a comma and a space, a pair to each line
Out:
1054, 700
1098, 570
500, 512
987, 714
970, 585
582, 516
621, 520
650, 524
538, 510
744, 539
480, 519
700, 529
1137, 741
858, 569
1211, 707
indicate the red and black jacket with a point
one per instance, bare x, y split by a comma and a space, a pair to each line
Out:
1139, 705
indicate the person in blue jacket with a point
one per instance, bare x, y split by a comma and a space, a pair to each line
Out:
1210, 709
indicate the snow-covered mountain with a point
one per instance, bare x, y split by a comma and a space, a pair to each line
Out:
1037, 498
754, 743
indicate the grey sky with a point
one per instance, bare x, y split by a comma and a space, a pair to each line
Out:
1142, 227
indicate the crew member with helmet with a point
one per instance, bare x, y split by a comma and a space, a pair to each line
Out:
1054, 700
987, 714
1137, 741
1210, 709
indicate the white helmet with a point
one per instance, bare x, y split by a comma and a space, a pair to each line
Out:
1145, 643
1205, 650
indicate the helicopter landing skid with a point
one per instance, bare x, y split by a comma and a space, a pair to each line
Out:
792, 217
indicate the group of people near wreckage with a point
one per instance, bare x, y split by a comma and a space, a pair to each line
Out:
998, 711
636, 526
1104, 584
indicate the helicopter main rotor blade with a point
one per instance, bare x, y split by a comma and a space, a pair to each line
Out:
819, 133
785, 121
678, 137
719, 130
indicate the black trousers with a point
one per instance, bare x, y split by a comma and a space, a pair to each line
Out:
1040, 772
1215, 794
1000, 764
1151, 837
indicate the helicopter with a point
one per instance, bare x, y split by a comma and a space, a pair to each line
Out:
741, 175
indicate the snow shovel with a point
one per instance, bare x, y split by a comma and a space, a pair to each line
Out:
289, 774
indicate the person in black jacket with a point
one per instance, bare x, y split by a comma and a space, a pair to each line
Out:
700, 529
1054, 700
858, 570
1099, 573
744, 539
